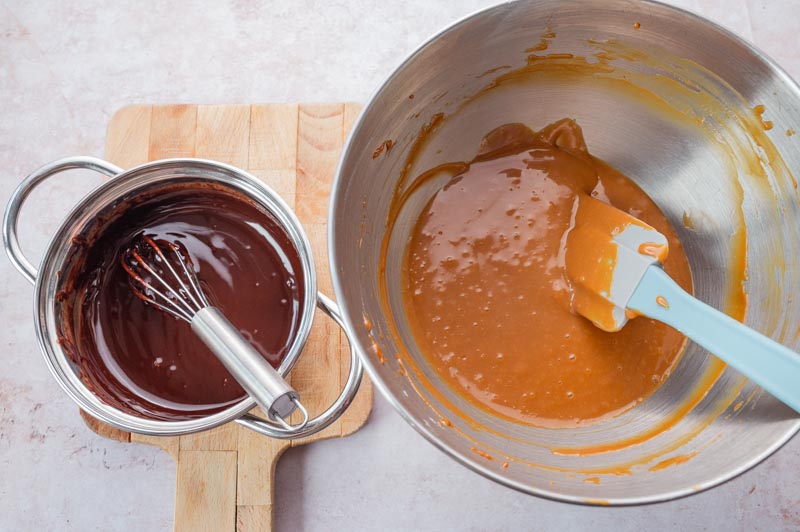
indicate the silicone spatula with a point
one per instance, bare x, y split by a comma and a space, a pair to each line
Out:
613, 261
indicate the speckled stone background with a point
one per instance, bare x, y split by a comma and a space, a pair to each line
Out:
65, 67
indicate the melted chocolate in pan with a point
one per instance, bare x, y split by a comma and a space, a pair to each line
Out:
150, 364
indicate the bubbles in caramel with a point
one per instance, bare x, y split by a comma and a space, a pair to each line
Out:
487, 297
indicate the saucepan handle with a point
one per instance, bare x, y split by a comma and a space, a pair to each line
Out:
335, 410
10, 239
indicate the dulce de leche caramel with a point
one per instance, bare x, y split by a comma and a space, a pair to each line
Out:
150, 364
487, 296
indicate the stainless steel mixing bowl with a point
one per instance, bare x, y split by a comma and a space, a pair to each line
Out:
669, 99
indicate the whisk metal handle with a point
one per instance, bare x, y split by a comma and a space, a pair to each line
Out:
248, 367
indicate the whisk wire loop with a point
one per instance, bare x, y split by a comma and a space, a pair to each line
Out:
196, 295
183, 302
194, 282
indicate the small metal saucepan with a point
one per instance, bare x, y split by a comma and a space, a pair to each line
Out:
123, 187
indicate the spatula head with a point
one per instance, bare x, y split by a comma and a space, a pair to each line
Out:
607, 253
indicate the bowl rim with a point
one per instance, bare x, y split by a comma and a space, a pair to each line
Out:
337, 190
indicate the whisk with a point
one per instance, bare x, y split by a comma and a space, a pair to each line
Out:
162, 275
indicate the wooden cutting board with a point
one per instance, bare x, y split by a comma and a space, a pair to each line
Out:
225, 476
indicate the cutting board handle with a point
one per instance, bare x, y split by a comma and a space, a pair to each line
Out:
339, 405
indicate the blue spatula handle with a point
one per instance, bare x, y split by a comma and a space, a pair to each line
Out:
766, 362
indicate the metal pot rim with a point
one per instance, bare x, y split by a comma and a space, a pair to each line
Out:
44, 310
129, 182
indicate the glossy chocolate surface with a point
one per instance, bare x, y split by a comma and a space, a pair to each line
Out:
150, 364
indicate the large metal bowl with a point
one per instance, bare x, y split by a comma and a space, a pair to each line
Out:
666, 97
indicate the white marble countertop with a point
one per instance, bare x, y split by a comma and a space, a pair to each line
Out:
65, 69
